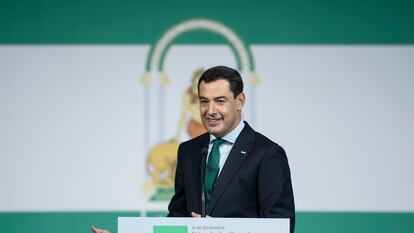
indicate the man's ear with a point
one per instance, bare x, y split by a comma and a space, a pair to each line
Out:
240, 100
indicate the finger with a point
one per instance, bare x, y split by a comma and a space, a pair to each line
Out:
94, 229
97, 230
195, 215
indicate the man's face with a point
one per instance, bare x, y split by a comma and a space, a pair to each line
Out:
220, 111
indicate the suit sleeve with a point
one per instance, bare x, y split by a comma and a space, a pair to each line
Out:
275, 186
178, 206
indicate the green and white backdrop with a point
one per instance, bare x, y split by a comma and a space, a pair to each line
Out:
88, 88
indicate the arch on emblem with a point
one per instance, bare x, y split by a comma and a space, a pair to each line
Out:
155, 59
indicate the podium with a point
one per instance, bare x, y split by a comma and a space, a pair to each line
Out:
202, 225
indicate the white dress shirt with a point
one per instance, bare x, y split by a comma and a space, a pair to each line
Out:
225, 148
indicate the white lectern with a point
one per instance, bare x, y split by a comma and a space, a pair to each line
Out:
202, 225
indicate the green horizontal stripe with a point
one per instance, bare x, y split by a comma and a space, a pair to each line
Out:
359, 222
257, 22
60, 222
170, 229
306, 222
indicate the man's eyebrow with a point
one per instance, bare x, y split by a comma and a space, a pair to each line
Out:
215, 98
220, 97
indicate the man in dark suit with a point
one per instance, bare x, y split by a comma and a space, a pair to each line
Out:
231, 171
250, 176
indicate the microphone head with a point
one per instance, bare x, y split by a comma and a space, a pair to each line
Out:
204, 151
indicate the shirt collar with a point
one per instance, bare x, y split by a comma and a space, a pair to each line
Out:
232, 136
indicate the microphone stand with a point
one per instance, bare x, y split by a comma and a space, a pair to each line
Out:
204, 152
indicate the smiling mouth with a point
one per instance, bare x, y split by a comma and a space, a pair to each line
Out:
213, 121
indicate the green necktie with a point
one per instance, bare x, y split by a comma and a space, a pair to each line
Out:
212, 169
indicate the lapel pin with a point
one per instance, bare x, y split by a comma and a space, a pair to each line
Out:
243, 152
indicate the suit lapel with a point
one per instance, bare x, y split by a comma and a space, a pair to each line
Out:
238, 154
196, 169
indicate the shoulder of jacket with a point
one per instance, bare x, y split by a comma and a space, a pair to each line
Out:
265, 141
197, 140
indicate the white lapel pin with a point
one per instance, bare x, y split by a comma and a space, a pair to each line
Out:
243, 152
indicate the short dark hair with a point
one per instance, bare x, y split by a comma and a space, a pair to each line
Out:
226, 73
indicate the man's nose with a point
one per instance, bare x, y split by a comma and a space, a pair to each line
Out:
211, 108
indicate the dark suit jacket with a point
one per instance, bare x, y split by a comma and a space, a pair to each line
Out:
254, 182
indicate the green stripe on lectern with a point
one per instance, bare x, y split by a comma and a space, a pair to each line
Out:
170, 229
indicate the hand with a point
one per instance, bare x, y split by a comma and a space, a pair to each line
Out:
97, 230
195, 215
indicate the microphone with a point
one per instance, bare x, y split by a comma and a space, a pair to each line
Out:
204, 153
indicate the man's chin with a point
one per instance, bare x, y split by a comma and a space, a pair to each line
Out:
214, 130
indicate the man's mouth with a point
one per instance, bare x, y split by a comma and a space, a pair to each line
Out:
213, 121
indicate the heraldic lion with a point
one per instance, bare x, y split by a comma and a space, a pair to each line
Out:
161, 164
